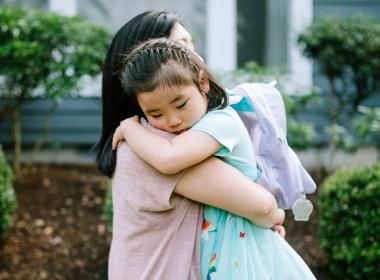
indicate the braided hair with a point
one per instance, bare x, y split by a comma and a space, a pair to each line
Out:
165, 63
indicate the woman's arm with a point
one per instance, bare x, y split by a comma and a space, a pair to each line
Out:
218, 184
167, 156
211, 181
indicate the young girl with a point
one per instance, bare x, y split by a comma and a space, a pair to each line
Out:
176, 93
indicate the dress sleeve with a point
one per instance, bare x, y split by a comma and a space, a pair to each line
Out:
221, 125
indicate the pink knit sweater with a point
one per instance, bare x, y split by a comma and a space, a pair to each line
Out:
156, 233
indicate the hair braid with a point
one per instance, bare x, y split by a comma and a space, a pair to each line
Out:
166, 49
161, 62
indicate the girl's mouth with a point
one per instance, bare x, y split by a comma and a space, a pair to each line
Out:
180, 131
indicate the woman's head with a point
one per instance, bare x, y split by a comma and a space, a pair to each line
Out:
144, 26
180, 35
171, 85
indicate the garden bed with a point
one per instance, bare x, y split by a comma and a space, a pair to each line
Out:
59, 231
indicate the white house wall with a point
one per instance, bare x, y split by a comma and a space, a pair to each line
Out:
221, 35
276, 33
115, 13
66, 8
300, 68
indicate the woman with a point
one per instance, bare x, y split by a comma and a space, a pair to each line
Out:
157, 221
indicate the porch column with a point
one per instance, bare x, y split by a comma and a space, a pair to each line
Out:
66, 7
221, 43
276, 33
301, 69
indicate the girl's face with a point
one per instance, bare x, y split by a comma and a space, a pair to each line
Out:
173, 109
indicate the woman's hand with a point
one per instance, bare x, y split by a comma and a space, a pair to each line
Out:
278, 227
121, 130
280, 230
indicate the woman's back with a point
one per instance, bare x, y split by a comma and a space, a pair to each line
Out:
156, 233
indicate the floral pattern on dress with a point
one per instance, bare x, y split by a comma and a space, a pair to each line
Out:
206, 228
211, 275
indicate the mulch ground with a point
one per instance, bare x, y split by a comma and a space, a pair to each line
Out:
59, 231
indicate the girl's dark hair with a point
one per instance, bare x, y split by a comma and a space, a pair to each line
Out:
144, 26
164, 63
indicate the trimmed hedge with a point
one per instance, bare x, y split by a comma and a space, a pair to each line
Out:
7, 196
350, 222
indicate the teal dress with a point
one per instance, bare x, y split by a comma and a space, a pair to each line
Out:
231, 246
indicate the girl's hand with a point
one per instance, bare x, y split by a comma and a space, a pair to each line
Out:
118, 135
280, 230
280, 217
278, 227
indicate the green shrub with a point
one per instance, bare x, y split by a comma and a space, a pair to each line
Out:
367, 127
44, 54
107, 207
346, 52
350, 222
7, 196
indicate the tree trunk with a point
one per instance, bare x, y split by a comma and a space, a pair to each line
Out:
17, 140
40, 141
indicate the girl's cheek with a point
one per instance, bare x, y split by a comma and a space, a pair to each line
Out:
153, 122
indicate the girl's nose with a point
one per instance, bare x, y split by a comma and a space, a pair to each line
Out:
174, 121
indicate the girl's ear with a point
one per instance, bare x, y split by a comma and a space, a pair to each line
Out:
204, 84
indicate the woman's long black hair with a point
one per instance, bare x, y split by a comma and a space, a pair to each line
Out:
144, 26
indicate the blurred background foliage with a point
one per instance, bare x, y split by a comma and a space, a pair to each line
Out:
8, 201
347, 53
44, 54
349, 222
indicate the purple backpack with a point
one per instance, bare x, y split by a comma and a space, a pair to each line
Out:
262, 109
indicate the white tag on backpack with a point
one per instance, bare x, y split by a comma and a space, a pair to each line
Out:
302, 209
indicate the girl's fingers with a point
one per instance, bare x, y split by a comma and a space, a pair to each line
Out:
117, 136
115, 139
113, 143
282, 231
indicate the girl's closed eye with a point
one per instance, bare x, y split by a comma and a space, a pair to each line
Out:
182, 105
156, 116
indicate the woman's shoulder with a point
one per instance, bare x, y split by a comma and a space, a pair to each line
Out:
125, 153
140, 184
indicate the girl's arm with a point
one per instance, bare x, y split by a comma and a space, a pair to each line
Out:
211, 181
167, 156
218, 184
